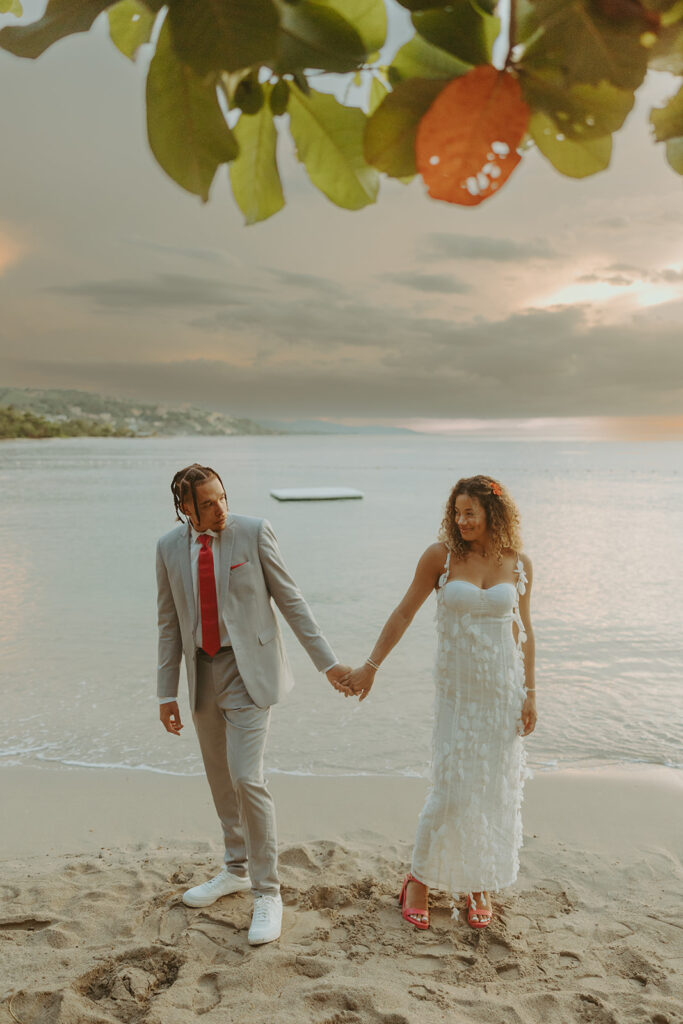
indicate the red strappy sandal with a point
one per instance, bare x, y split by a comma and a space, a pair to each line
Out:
409, 913
474, 911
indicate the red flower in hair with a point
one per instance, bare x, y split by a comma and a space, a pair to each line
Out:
496, 489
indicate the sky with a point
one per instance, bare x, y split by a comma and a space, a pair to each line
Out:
555, 298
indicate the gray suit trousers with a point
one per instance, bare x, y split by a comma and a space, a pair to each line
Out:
232, 734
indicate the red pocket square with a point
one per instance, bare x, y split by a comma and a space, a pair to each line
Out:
238, 565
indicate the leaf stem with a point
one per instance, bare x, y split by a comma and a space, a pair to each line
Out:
512, 32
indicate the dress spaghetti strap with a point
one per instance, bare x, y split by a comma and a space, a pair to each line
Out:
522, 578
520, 587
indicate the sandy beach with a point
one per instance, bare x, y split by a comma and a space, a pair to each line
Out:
93, 930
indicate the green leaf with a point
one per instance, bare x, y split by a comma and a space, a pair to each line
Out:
130, 25
313, 36
674, 154
329, 142
389, 141
576, 158
378, 91
571, 37
368, 17
668, 121
186, 129
254, 176
419, 59
11, 7
580, 111
462, 29
249, 94
223, 35
62, 18
279, 97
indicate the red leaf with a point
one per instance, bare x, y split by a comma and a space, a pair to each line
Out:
466, 144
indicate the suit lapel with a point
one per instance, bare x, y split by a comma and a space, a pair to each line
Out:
227, 539
184, 542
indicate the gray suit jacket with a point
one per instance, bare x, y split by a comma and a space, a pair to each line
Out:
246, 595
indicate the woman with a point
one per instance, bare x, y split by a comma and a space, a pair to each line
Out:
470, 830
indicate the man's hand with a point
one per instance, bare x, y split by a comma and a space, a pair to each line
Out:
337, 677
360, 681
169, 713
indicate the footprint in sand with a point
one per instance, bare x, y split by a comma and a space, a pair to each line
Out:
43, 1006
207, 996
125, 985
24, 924
312, 966
352, 1008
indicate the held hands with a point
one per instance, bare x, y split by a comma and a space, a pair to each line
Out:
360, 681
338, 676
352, 682
169, 713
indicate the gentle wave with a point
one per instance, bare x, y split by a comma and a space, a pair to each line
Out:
536, 766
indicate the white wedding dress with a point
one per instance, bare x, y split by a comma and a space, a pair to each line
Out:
470, 830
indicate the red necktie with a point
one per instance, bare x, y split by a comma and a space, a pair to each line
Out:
208, 605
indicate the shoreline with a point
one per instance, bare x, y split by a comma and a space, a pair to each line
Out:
83, 809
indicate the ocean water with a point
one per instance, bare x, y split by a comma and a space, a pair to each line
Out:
601, 521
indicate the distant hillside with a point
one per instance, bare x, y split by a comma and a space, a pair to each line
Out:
21, 423
62, 407
326, 427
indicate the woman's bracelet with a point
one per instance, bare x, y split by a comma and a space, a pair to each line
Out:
372, 664
530, 689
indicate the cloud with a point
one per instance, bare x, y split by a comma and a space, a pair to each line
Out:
627, 273
613, 223
164, 291
439, 246
441, 284
618, 280
187, 252
669, 275
309, 282
554, 362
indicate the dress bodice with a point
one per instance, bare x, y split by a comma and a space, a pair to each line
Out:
497, 602
457, 598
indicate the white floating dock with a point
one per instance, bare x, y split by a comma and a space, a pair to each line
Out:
315, 493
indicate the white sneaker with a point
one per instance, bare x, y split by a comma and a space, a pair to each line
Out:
266, 922
208, 892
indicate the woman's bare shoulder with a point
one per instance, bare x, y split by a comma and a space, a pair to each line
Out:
528, 568
437, 551
434, 557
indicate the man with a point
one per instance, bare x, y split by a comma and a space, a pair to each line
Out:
217, 575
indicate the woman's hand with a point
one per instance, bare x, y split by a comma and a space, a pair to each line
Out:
529, 716
361, 680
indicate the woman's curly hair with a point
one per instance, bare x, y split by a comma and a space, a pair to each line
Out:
502, 517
